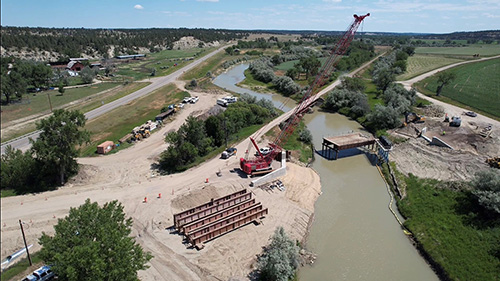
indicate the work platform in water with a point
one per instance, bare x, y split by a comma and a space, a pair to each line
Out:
335, 144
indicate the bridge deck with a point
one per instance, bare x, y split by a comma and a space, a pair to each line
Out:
345, 142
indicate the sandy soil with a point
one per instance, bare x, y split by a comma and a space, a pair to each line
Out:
127, 176
470, 150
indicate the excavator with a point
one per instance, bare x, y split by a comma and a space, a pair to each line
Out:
261, 164
412, 117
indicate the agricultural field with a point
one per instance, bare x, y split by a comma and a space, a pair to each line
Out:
484, 50
164, 63
477, 85
421, 63
119, 122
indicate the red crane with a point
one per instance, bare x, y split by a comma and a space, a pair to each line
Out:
262, 163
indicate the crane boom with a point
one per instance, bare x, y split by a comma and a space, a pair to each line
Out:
264, 162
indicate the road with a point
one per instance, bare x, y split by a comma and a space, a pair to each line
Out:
452, 110
23, 143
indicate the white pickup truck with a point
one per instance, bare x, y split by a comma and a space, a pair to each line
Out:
41, 274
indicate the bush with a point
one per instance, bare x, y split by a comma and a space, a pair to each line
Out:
487, 189
384, 117
280, 258
305, 136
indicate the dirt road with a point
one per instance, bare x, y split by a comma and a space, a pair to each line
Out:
470, 151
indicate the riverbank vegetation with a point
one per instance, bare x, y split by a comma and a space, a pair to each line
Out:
456, 224
197, 138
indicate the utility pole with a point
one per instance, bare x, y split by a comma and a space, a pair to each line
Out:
25, 244
50, 103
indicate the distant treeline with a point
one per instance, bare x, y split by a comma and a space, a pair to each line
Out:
72, 42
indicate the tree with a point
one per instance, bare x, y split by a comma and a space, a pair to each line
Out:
280, 258
444, 78
87, 75
93, 243
193, 83
40, 75
487, 189
384, 117
55, 147
61, 89
18, 171
310, 65
353, 84
13, 84
305, 136
384, 78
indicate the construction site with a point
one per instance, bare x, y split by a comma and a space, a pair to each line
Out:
446, 145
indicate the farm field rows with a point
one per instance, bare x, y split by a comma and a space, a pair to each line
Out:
419, 64
481, 49
476, 85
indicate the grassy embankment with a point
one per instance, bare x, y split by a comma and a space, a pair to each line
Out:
484, 50
451, 230
422, 63
163, 62
119, 122
475, 87
83, 99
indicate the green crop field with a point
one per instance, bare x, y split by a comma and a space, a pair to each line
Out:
481, 49
477, 85
419, 64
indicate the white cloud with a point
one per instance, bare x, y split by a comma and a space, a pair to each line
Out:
207, 0
138, 7
334, 1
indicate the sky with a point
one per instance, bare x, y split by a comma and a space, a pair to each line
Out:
418, 16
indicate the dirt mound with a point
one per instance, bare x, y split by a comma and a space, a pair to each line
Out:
189, 42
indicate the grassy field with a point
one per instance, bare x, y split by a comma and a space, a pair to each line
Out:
451, 231
420, 63
164, 62
85, 104
119, 122
484, 50
477, 86
210, 64
289, 64
36, 104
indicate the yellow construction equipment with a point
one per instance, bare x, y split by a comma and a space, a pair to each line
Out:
494, 162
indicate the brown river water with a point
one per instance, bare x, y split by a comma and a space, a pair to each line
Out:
354, 234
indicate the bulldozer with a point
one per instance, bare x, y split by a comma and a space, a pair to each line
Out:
138, 133
412, 117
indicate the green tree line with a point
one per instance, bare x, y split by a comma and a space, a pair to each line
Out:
196, 138
73, 42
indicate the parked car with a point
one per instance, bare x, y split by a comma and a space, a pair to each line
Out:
264, 151
41, 274
194, 100
228, 153
471, 113
186, 100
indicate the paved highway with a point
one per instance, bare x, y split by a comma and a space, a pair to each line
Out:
23, 143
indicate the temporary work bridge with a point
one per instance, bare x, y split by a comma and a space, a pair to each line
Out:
218, 216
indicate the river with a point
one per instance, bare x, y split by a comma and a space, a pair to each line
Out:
354, 234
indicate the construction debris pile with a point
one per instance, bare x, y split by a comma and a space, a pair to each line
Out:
218, 216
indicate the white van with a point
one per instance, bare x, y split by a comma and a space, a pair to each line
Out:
222, 102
